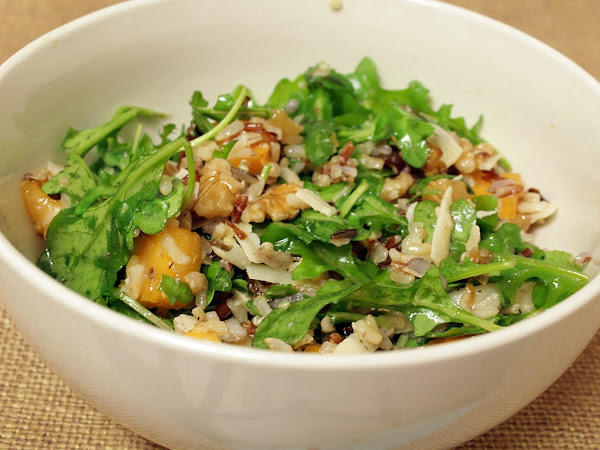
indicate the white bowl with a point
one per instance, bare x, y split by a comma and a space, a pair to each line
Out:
541, 112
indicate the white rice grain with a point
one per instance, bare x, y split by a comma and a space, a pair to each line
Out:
349, 346
175, 253
278, 345
184, 323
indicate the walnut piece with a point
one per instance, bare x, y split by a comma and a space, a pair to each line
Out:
218, 190
396, 187
272, 204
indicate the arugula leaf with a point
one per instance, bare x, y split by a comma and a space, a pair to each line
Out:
199, 104
319, 106
335, 193
286, 90
452, 271
424, 319
560, 282
317, 257
322, 227
75, 180
457, 124
365, 80
425, 213
410, 134
426, 292
459, 331
420, 187
279, 291
353, 198
80, 142
377, 214
165, 324
507, 239
152, 215
218, 280
115, 158
488, 223
318, 142
176, 290
465, 217
201, 113
292, 323
224, 151
560, 258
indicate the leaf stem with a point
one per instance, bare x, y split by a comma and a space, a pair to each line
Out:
223, 123
189, 156
345, 207
144, 312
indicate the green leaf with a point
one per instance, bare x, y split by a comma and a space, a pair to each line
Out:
218, 279
203, 115
365, 79
562, 259
425, 214
322, 227
489, 223
75, 180
465, 217
286, 90
560, 281
377, 214
424, 319
319, 105
507, 239
80, 142
426, 292
457, 124
223, 153
198, 104
410, 134
317, 257
151, 216
318, 142
176, 290
420, 187
452, 271
335, 193
280, 290
292, 323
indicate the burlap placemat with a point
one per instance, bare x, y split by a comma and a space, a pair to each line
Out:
37, 410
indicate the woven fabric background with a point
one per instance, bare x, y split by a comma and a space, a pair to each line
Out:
37, 410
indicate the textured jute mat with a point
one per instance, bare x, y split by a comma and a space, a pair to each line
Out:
37, 410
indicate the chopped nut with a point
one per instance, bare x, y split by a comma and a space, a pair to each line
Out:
394, 188
218, 190
272, 204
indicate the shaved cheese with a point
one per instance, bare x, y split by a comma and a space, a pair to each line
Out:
440, 243
263, 272
316, 202
235, 256
451, 151
474, 238
250, 244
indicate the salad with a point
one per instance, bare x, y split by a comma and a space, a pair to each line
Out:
339, 217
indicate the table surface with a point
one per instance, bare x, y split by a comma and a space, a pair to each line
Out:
37, 410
